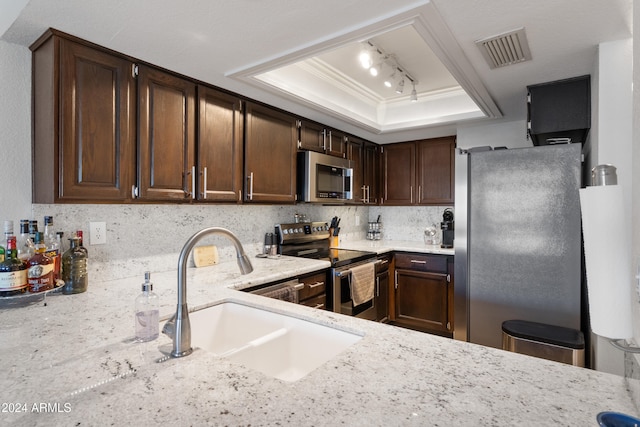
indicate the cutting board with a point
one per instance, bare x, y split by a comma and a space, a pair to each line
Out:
204, 256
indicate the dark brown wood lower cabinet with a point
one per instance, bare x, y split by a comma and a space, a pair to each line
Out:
423, 299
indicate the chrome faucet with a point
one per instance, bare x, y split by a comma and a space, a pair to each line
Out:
179, 327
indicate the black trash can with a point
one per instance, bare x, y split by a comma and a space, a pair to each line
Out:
549, 342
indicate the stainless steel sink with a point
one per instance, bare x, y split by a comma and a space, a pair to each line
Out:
275, 344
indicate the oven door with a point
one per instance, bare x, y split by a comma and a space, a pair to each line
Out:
341, 295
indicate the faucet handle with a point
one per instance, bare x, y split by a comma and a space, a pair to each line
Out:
169, 328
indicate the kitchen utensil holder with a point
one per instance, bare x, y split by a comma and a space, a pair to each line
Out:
374, 231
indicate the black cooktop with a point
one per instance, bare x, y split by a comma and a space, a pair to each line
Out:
342, 257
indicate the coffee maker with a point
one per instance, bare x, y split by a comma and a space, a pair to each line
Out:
447, 229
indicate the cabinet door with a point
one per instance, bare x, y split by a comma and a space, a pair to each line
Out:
219, 146
421, 300
97, 125
312, 136
382, 296
435, 173
167, 136
371, 168
399, 173
270, 155
336, 143
355, 153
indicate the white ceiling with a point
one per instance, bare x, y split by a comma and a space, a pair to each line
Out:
227, 43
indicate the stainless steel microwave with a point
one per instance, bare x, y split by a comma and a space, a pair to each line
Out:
323, 178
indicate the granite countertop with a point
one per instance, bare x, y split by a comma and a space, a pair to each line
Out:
73, 361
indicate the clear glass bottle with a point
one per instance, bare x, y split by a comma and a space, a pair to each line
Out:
147, 312
52, 246
13, 272
74, 268
24, 244
40, 273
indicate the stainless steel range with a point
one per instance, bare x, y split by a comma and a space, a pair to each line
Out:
311, 240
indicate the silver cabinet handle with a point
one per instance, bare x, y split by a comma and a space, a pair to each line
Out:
377, 286
250, 192
134, 192
396, 279
193, 182
415, 261
315, 285
204, 183
330, 141
319, 306
411, 194
298, 286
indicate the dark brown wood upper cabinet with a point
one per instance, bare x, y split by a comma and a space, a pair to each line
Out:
312, 136
219, 146
166, 127
419, 172
271, 140
364, 161
317, 137
436, 171
371, 173
399, 169
83, 123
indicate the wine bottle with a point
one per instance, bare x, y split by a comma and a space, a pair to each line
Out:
8, 231
13, 272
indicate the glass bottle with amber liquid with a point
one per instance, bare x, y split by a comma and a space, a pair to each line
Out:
13, 272
41, 267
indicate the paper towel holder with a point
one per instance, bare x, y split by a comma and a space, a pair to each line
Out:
605, 175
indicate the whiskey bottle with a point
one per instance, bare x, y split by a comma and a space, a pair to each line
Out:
74, 268
40, 273
13, 272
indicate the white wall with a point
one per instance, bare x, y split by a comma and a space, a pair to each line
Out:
15, 132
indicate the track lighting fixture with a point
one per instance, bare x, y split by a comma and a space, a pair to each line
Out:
373, 59
414, 94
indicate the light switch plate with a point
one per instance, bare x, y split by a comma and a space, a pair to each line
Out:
97, 233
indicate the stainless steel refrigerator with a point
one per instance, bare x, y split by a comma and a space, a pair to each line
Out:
517, 239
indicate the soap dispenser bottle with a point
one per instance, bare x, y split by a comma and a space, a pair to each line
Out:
147, 312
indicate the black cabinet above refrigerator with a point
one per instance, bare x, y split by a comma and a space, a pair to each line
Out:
559, 112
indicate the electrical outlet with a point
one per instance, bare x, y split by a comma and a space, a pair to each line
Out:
357, 220
97, 233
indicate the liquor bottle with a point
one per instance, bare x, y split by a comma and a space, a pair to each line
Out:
24, 243
147, 312
13, 272
52, 245
40, 273
74, 268
8, 232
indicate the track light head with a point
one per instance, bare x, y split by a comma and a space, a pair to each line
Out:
400, 87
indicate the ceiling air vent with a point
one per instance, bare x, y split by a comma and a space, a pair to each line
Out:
505, 49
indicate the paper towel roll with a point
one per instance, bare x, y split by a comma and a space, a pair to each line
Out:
607, 251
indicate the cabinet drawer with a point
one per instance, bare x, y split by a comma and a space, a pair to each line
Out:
314, 284
319, 302
421, 262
